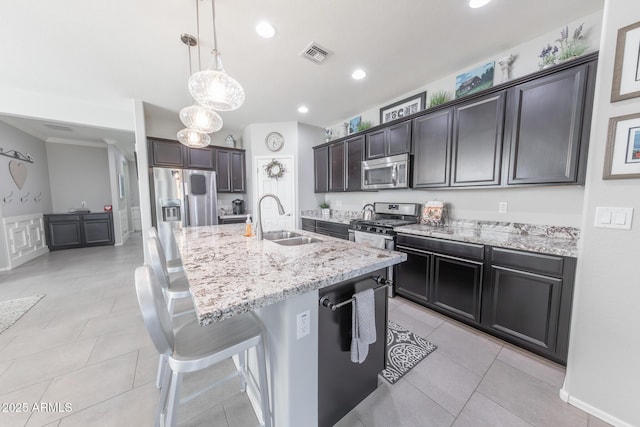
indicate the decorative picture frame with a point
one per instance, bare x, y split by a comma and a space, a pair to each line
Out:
480, 78
626, 69
622, 156
403, 108
353, 124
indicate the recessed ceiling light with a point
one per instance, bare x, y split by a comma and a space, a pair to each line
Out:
474, 4
303, 109
358, 74
266, 30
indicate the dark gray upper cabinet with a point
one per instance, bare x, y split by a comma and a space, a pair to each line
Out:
166, 153
389, 141
432, 149
230, 170
355, 155
200, 158
547, 128
337, 169
321, 168
477, 141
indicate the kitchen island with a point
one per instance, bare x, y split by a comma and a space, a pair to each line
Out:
231, 274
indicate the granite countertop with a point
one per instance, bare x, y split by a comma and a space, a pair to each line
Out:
564, 246
338, 217
231, 274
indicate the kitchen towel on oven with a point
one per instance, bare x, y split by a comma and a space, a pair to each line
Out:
370, 239
363, 325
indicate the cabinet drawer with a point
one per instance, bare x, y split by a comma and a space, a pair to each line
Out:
449, 247
93, 216
535, 263
332, 227
308, 224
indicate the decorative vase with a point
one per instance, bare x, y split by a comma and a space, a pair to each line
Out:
326, 212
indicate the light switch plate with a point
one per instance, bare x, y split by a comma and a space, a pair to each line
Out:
502, 207
614, 217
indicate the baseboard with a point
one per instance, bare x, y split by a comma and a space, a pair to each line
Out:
566, 397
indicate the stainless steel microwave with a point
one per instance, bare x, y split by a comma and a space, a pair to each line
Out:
387, 172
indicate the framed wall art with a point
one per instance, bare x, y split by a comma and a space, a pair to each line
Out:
622, 157
403, 108
626, 69
473, 81
353, 124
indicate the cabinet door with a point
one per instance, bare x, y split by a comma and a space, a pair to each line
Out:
477, 142
456, 286
376, 144
336, 167
412, 276
524, 307
97, 229
546, 118
399, 138
321, 169
200, 158
166, 153
63, 233
238, 172
355, 156
223, 171
432, 147
308, 224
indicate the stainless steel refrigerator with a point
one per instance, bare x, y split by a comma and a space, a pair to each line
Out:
183, 198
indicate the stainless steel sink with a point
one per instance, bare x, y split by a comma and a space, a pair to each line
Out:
278, 235
296, 241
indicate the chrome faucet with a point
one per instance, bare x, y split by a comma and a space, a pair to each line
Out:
259, 216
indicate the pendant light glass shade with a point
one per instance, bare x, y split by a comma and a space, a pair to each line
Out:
214, 88
202, 119
194, 138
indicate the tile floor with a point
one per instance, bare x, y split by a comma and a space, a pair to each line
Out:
85, 344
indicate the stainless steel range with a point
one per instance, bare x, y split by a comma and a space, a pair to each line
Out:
378, 231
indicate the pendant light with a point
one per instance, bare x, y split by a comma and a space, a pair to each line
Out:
214, 88
197, 117
194, 138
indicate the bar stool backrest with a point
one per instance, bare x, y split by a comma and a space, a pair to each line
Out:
154, 309
158, 261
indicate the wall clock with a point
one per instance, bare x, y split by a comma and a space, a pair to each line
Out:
274, 141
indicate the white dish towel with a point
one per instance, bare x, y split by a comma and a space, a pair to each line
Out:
363, 325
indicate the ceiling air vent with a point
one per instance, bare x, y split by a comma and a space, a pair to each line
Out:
58, 127
316, 53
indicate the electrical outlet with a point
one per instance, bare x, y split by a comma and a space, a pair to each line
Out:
502, 207
303, 324
338, 203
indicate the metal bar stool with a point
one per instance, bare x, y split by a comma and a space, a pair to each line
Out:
193, 347
174, 265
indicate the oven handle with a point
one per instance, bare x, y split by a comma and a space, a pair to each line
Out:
394, 175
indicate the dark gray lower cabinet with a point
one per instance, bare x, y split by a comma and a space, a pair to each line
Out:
528, 300
308, 224
67, 231
456, 286
333, 229
343, 384
522, 297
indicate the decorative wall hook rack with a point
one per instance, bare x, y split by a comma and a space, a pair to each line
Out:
16, 155
38, 197
8, 198
25, 198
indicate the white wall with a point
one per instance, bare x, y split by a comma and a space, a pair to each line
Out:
603, 371
37, 182
77, 174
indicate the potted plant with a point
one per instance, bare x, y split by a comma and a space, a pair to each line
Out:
363, 126
324, 208
439, 98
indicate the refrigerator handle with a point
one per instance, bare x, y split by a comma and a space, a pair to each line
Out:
187, 216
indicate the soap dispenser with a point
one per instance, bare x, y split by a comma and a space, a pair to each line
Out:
247, 227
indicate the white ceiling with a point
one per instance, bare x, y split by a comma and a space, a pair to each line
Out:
107, 51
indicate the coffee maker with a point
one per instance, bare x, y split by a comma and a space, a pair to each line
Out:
238, 206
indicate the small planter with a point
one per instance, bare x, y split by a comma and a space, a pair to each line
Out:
326, 212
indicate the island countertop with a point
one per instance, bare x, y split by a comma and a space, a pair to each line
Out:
231, 274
